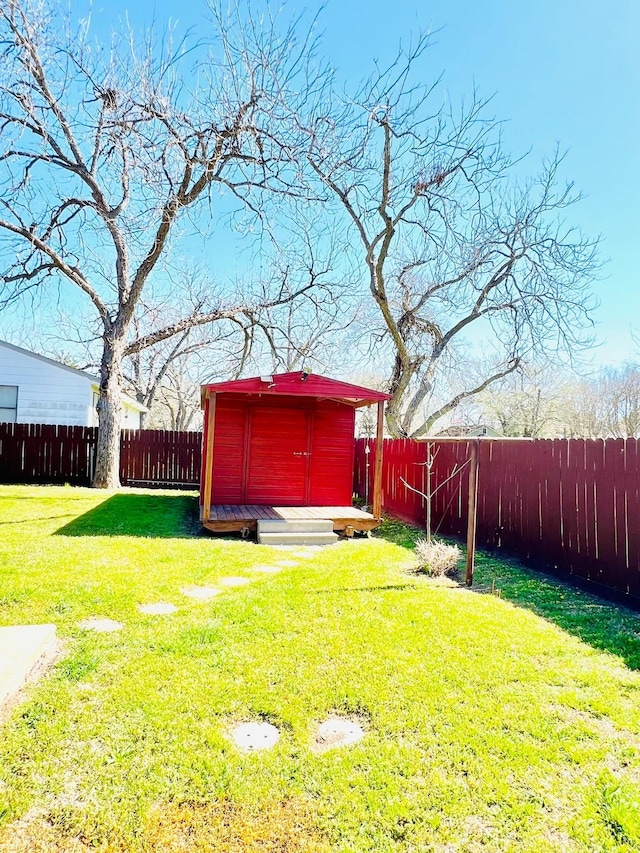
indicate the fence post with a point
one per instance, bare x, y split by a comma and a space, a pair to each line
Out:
472, 512
377, 474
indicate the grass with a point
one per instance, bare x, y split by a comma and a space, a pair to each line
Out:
492, 724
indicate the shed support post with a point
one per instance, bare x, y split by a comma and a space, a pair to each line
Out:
472, 512
377, 473
208, 457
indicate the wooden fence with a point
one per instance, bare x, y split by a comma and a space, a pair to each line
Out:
37, 453
571, 504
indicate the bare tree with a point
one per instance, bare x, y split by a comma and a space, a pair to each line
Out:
104, 153
447, 243
307, 333
166, 375
606, 405
529, 402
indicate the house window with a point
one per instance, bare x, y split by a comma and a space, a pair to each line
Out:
8, 403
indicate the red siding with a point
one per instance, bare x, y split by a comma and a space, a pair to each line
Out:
278, 467
229, 451
286, 451
332, 452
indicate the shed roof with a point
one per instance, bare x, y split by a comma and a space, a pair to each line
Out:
300, 384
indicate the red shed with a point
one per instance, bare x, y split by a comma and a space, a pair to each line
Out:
282, 446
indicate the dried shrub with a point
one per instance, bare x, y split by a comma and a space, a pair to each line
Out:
437, 559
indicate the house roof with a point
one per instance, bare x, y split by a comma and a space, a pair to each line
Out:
299, 384
89, 376
469, 431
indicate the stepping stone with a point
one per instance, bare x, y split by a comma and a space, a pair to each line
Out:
25, 652
237, 581
338, 732
103, 626
271, 569
202, 593
159, 609
249, 737
286, 563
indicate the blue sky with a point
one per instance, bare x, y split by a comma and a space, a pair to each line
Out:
558, 71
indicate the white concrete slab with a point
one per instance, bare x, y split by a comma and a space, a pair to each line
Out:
202, 593
234, 581
338, 732
24, 649
249, 737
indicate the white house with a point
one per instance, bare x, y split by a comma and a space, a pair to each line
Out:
38, 390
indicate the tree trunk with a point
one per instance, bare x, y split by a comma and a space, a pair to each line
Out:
393, 419
107, 474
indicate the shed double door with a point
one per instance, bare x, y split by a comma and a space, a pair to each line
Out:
278, 456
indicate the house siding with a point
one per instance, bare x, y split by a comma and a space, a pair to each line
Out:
47, 394
50, 393
130, 415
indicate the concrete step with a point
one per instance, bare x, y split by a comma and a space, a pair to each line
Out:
299, 538
302, 525
24, 651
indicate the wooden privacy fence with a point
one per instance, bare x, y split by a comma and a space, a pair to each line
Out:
160, 457
572, 504
37, 453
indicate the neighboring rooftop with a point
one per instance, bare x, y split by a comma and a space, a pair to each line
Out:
469, 431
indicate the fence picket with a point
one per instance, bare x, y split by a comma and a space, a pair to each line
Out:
45, 453
569, 503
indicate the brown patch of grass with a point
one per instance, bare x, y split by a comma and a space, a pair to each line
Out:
225, 827
287, 826
36, 833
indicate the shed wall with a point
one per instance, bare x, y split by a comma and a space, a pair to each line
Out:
286, 451
332, 455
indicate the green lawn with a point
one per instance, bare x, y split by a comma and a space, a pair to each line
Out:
492, 724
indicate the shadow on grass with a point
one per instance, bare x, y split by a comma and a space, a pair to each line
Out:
158, 516
399, 533
605, 626
400, 587
602, 624
29, 520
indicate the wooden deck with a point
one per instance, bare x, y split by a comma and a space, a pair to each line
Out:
228, 519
